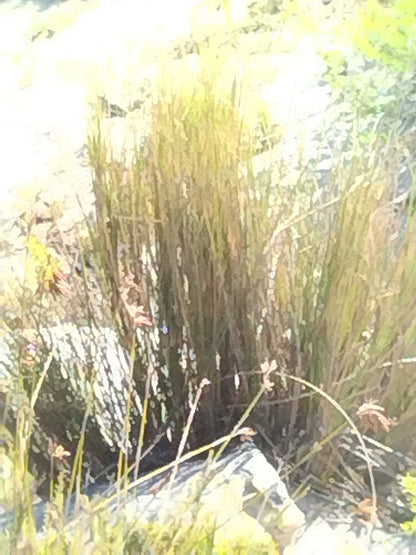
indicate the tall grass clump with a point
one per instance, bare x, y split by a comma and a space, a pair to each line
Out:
348, 271
365, 327
239, 266
186, 220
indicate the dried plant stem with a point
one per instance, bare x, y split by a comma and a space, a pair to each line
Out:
77, 465
294, 220
317, 447
347, 418
187, 428
237, 430
143, 421
40, 381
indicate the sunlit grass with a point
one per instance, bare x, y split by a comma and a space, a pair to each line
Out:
236, 267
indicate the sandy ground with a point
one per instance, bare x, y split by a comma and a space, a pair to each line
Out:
102, 47
47, 82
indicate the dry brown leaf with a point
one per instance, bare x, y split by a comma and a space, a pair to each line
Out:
373, 417
130, 295
142, 318
58, 283
266, 370
366, 511
246, 433
58, 451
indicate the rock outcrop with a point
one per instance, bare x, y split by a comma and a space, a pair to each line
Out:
240, 494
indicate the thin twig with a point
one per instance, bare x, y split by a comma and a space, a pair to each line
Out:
347, 418
143, 421
187, 429
40, 381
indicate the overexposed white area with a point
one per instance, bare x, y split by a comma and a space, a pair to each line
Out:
108, 47
46, 83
